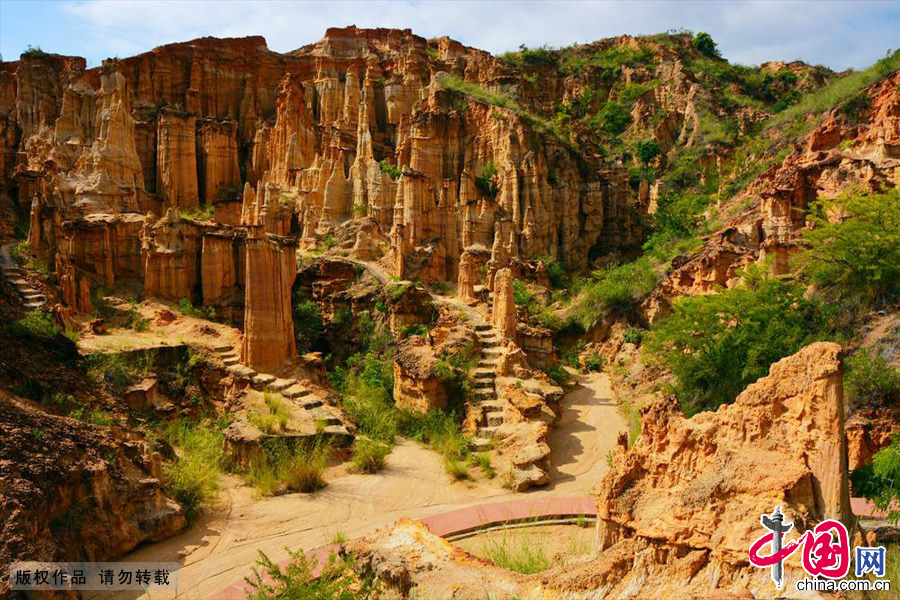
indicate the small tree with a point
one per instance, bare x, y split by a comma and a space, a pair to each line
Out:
880, 480
718, 344
854, 248
704, 43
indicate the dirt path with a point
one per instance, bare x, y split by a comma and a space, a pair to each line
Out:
223, 548
584, 435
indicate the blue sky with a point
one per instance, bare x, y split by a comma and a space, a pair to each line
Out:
834, 33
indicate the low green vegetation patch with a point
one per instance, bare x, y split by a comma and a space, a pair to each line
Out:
193, 477
289, 466
185, 307
338, 580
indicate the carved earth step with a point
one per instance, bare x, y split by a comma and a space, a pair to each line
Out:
223, 349
486, 364
480, 373
494, 419
491, 405
491, 352
262, 380
311, 402
322, 416
482, 327
490, 343
486, 432
33, 305
295, 391
481, 444
482, 394
242, 371
484, 384
35, 296
231, 360
279, 385
18, 282
336, 430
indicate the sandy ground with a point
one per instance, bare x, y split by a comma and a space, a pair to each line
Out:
544, 542
223, 547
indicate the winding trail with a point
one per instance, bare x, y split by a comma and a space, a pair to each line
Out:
222, 548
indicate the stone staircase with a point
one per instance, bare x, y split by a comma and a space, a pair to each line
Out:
30, 296
293, 390
485, 389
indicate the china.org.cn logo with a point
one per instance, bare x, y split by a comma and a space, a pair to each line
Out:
826, 556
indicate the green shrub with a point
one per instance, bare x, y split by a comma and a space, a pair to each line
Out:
837, 91
411, 330
369, 455
612, 119
647, 150
483, 461
185, 307
542, 55
718, 344
136, 321
869, 382
273, 418
593, 362
559, 375
488, 182
296, 467
193, 478
37, 323
119, 369
98, 416
439, 430
677, 218
524, 297
633, 335
618, 289
392, 170
308, 324
705, 44
859, 256
295, 581
878, 480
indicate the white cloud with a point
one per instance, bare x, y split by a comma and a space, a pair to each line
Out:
838, 34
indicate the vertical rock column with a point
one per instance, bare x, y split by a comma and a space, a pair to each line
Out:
176, 160
268, 323
503, 315
466, 280
218, 155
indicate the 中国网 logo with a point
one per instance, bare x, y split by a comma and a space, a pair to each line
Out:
826, 556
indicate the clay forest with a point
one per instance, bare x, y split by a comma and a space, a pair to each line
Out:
394, 317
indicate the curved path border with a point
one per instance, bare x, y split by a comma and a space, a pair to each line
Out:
460, 522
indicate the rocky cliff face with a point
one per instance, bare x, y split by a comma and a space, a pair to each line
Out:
74, 491
718, 469
365, 122
678, 512
838, 155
